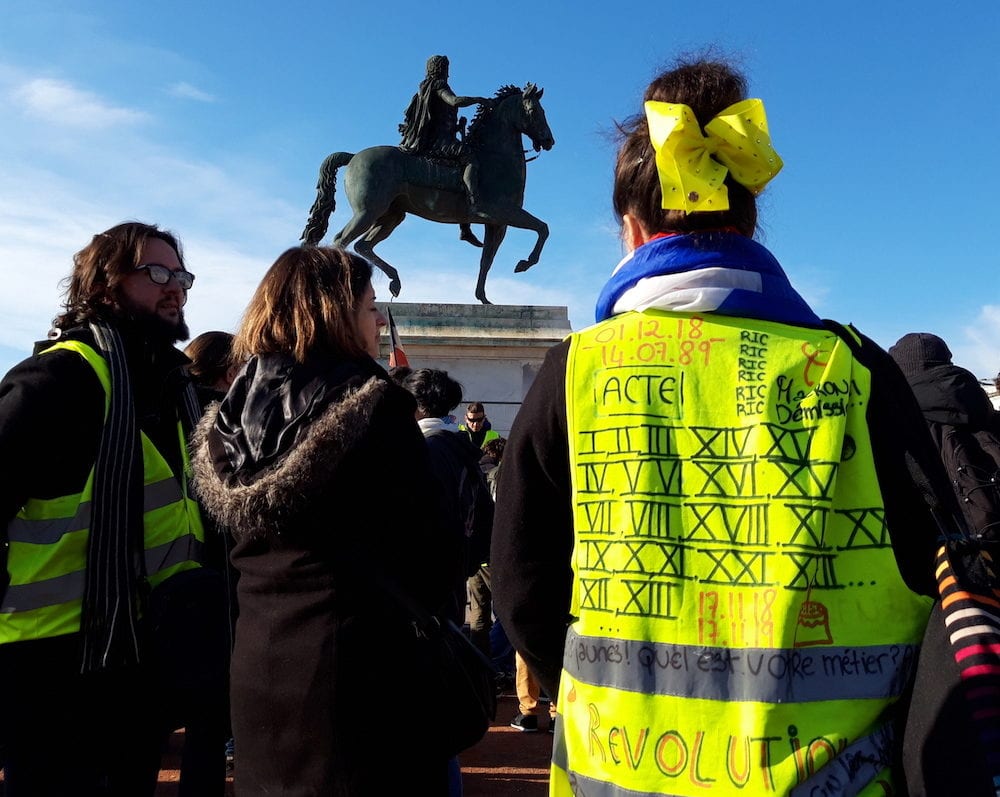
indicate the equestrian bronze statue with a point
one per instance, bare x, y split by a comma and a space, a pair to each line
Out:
479, 179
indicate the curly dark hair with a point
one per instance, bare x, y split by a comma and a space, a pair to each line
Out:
211, 355
101, 265
494, 448
437, 394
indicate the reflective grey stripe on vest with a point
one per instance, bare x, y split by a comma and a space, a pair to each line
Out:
62, 589
51, 530
592, 787
853, 769
51, 592
764, 675
182, 549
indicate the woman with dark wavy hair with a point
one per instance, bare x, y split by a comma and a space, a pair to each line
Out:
315, 463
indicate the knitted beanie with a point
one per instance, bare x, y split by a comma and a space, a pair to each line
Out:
918, 351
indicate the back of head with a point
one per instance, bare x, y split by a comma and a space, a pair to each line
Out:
99, 268
305, 306
494, 448
915, 352
437, 394
398, 373
211, 355
706, 87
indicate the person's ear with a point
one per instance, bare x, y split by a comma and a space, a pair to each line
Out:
230, 376
634, 234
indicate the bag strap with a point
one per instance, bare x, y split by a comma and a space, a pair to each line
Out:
427, 625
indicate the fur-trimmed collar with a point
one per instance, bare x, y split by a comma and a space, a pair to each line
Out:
263, 507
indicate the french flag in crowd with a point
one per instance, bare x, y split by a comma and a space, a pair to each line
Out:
396, 354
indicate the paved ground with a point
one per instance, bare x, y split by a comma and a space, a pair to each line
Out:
505, 762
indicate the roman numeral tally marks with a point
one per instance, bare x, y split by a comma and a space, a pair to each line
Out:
745, 507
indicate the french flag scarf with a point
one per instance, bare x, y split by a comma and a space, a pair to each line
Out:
718, 272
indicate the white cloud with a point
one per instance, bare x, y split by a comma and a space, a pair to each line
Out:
980, 351
56, 191
186, 91
58, 102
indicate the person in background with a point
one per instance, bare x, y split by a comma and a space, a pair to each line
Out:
315, 464
455, 464
711, 479
477, 426
530, 702
468, 506
500, 650
942, 721
98, 524
480, 598
212, 367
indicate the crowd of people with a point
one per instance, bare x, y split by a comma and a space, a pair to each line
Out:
723, 541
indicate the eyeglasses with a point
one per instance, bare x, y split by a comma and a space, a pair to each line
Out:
475, 419
161, 275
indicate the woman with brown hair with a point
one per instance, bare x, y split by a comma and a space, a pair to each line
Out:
712, 499
315, 462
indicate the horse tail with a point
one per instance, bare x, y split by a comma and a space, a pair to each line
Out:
323, 207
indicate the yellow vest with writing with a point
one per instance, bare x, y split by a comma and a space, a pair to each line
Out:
47, 557
742, 623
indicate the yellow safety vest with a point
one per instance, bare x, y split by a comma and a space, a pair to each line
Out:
490, 434
742, 623
47, 557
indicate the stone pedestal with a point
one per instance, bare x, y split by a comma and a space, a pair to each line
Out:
493, 350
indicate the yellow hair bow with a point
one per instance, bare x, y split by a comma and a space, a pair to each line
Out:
692, 166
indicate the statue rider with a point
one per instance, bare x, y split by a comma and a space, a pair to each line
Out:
430, 126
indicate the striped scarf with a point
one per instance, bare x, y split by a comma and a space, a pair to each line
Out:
972, 616
115, 563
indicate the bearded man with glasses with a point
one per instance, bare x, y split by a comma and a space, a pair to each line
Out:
98, 531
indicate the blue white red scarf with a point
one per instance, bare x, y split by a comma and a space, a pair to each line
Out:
717, 272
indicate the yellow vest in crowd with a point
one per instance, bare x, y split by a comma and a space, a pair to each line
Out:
742, 623
47, 558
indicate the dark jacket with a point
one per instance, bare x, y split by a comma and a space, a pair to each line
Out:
322, 476
468, 506
940, 726
945, 392
949, 394
51, 418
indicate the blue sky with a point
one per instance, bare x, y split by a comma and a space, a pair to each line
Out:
211, 119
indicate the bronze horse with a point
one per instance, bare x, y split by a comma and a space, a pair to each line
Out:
383, 184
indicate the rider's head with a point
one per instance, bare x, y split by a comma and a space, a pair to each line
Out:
706, 87
437, 66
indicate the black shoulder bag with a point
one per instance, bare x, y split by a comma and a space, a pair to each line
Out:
449, 664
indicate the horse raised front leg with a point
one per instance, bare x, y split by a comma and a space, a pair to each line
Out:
525, 221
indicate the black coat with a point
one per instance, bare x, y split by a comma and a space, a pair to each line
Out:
940, 727
949, 394
51, 418
321, 474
